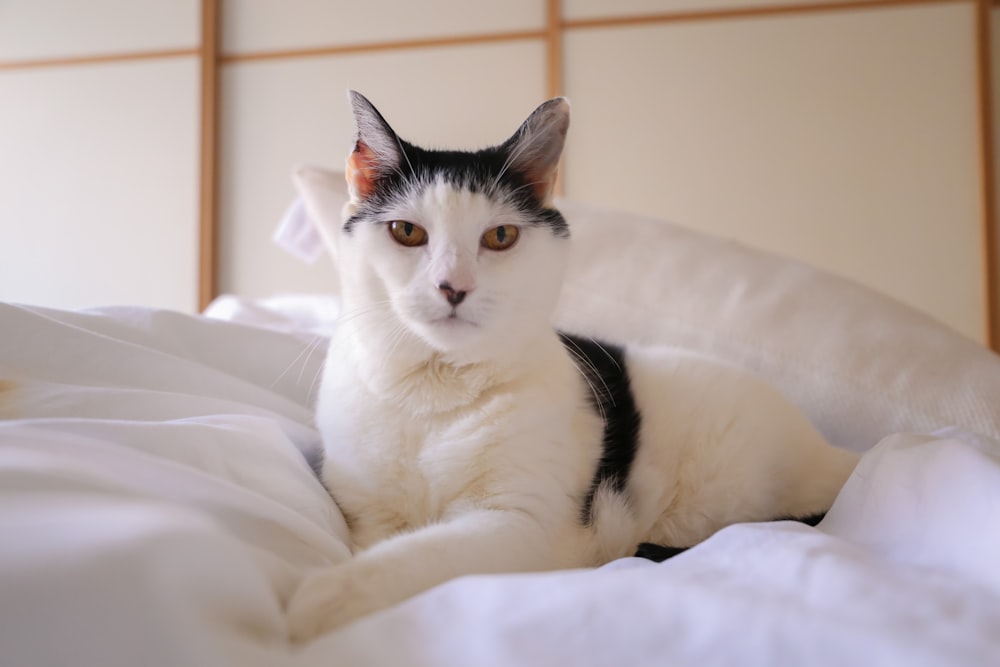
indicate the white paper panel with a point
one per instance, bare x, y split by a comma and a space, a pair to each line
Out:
38, 29
282, 113
590, 9
255, 25
98, 169
846, 139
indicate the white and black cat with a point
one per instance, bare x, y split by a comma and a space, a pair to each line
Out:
464, 435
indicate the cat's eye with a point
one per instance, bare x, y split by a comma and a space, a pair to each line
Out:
407, 233
500, 238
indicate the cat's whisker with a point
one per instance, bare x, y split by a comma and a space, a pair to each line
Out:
294, 361
312, 385
406, 157
381, 318
607, 354
597, 403
398, 335
526, 185
396, 169
503, 170
581, 356
313, 346
385, 320
589, 372
368, 309
512, 157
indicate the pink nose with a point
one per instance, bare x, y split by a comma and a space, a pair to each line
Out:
454, 296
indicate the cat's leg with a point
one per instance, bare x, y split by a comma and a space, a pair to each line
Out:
474, 542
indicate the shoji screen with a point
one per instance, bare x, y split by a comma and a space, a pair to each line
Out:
845, 134
99, 152
445, 73
846, 138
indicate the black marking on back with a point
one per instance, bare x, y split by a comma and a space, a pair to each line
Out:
485, 171
611, 394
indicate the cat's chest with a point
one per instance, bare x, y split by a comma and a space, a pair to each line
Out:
406, 454
390, 471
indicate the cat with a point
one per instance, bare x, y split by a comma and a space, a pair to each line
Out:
464, 435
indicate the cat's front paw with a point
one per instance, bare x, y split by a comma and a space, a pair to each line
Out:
327, 600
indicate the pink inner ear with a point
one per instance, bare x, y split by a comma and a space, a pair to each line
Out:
543, 182
362, 167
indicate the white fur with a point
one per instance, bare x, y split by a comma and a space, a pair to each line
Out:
461, 446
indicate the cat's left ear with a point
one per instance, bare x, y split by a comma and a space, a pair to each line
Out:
536, 147
377, 149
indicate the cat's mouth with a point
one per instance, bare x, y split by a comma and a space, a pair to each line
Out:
453, 320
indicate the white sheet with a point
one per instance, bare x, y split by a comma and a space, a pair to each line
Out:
155, 510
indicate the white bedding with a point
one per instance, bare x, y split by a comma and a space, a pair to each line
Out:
155, 509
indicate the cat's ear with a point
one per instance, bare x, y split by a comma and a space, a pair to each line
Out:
377, 149
535, 148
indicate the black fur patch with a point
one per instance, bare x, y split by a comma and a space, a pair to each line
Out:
660, 553
485, 171
657, 552
812, 519
611, 393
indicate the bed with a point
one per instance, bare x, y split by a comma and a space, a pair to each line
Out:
157, 504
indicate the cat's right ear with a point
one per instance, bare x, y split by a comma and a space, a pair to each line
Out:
377, 149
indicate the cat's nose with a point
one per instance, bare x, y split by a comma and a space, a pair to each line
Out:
454, 296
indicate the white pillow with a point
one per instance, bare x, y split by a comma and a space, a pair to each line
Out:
861, 365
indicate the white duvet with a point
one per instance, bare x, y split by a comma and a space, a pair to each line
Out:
156, 509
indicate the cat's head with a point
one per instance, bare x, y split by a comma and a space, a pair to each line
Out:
459, 251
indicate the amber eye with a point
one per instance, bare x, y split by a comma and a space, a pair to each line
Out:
407, 233
500, 238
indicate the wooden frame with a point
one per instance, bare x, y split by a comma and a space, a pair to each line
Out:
758, 11
987, 187
98, 59
208, 215
551, 34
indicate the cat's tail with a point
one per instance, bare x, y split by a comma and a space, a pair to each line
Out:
613, 526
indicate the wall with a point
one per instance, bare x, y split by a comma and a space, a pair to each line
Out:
848, 138
98, 155
280, 111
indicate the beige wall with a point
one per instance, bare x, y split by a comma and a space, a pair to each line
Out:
42, 29
284, 112
98, 162
846, 138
